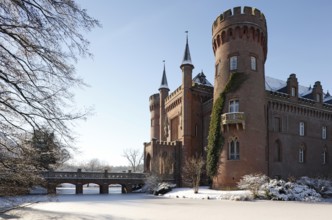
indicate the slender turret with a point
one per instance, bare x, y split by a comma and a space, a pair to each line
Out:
163, 93
187, 69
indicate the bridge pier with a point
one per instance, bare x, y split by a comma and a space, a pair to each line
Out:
79, 188
103, 189
51, 188
126, 189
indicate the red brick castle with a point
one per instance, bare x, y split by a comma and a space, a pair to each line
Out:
270, 126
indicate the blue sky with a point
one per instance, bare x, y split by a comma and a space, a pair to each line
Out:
138, 35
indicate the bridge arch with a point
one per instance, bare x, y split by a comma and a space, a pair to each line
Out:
127, 180
65, 188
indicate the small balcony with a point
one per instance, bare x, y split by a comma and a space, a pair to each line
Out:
233, 118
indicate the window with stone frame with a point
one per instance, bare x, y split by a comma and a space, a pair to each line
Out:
301, 155
324, 156
301, 128
234, 150
233, 63
253, 63
324, 132
234, 105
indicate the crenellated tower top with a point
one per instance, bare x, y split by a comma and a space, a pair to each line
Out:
249, 23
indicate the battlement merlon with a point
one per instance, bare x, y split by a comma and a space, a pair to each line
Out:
232, 17
156, 143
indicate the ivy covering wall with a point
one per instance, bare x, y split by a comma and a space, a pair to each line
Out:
216, 139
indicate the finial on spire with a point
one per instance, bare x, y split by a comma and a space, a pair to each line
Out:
186, 58
164, 84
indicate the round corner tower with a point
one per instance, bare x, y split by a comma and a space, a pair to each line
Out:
239, 40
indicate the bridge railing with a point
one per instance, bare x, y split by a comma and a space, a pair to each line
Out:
91, 175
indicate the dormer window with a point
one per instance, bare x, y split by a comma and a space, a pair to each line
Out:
233, 63
293, 91
317, 97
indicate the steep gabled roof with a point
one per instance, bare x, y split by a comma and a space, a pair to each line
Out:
186, 57
200, 79
164, 84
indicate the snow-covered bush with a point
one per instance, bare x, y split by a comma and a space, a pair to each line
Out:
289, 191
253, 182
236, 197
322, 186
154, 185
163, 188
151, 183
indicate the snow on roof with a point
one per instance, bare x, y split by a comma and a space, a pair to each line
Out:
277, 85
272, 84
328, 99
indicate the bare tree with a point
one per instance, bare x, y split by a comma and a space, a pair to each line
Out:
39, 42
96, 165
192, 171
135, 158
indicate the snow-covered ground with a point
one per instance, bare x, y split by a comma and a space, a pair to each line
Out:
143, 206
205, 193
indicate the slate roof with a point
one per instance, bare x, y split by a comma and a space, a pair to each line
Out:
277, 85
200, 79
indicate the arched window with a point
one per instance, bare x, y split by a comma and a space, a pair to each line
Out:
234, 150
233, 63
301, 128
301, 154
324, 156
324, 132
253, 63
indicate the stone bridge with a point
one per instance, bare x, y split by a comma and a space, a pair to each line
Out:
128, 181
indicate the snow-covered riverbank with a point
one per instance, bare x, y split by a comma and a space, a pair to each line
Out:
143, 206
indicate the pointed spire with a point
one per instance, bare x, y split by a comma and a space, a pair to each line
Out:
327, 94
164, 84
186, 57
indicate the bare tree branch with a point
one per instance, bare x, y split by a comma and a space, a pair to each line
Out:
40, 40
134, 157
